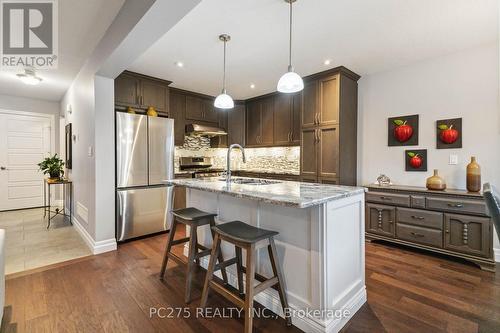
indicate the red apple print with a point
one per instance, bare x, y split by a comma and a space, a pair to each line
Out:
448, 134
402, 131
415, 160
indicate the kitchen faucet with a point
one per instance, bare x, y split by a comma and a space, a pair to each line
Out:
228, 168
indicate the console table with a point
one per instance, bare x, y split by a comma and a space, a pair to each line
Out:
46, 199
451, 222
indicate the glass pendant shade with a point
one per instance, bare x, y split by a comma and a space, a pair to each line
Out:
290, 82
224, 101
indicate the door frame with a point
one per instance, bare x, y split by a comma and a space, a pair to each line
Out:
48, 116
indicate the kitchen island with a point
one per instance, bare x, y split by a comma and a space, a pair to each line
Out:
320, 243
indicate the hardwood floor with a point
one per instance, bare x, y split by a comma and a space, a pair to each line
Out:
113, 292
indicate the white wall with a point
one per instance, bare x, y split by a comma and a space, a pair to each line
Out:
16, 103
464, 84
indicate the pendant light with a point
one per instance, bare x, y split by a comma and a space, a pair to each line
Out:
224, 101
290, 82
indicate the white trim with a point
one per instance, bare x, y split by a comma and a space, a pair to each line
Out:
98, 247
496, 253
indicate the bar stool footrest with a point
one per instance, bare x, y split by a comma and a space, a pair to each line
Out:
180, 241
227, 294
264, 285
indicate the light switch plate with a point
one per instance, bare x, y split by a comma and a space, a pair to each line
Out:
90, 151
453, 159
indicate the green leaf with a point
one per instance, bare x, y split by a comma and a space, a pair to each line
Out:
398, 122
411, 154
443, 127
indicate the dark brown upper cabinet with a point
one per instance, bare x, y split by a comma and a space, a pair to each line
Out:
309, 104
201, 109
155, 94
141, 91
236, 125
178, 113
260, 122
127, 90
329, 127
287, 119
329, 94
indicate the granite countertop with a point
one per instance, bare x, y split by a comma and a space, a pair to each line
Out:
285, 193
274, 172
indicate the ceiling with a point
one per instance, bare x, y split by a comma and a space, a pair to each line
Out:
81, 25
364, 35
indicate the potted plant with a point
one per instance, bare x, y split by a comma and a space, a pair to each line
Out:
52, 166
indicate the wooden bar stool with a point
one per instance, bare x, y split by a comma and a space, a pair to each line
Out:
244, 236
193, 218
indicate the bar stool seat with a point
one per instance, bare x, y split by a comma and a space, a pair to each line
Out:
244, 236
243, 232
194, 218
192, 214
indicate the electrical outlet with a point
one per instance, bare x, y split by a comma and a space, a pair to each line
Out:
453, 159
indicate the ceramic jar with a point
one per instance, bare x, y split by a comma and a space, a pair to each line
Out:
435, 182
473, 176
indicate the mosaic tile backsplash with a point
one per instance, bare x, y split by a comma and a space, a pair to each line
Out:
284, 159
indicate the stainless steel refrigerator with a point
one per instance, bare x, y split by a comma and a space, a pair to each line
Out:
144, 160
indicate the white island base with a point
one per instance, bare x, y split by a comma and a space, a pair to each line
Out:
321, 249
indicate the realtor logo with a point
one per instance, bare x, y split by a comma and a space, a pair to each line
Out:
29, 34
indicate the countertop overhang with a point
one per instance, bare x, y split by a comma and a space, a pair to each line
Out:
286, 193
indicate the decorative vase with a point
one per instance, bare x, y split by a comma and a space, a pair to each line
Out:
152, 112
130, 110
473, 176
435, 182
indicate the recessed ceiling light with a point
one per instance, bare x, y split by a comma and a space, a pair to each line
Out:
327, 62
252, 86
29, 77
179, 64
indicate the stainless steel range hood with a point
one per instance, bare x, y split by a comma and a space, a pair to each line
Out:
204, 130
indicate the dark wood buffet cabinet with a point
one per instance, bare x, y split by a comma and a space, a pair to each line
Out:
451, 222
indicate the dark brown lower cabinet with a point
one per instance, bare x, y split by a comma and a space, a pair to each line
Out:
467, 234
380, 219
308, 154
421, 223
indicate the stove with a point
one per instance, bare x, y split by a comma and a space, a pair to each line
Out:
199, 167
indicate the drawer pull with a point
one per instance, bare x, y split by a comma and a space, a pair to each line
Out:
457, 205
417, 234
417, 217
385, 198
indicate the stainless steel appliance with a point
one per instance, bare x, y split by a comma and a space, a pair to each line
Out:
144, 160
199, 167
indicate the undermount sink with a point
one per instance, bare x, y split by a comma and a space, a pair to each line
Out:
251, 181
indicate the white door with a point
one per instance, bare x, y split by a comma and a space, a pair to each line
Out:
25, 141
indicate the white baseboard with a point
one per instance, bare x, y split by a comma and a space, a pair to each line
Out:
496, 253
96, 247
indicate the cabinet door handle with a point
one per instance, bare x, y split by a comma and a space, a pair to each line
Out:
417, 217
417, 234
457, 205
319, 135
315, 135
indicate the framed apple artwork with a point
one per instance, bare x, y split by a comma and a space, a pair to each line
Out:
403, 131
449, 133
416, 160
